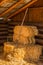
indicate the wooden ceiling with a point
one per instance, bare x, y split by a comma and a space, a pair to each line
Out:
39, 3
9, 8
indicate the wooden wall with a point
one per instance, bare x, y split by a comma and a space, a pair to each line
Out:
3, 32
34, 15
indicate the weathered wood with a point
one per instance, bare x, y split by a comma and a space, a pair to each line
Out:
3, 31
39, 36
12, 7
39, 3
36, 14
2, 2
23, 8
39, 41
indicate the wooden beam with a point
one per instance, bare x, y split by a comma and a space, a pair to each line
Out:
14, 6
39, 36
39, 41
2, 2
23, 8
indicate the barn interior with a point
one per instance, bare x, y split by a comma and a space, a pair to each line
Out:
21, 31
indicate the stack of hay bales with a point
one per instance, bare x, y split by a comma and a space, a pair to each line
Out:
24, 47
25, 35
14, 55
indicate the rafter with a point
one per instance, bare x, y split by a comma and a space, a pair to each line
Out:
2, 2
5, 1
12, 7
23, 8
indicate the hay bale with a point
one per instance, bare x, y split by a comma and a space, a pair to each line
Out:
20, 39
13, 52
26, 31
33, 52
25, 34
19, 53
23, 40
8, 47
21, 30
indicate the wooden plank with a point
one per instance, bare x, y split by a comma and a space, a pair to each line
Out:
39, 24
39, 41
23, 8
1, 41
3, 32
40, 31
39, 36
2, 2
18, 18
2, 25
3, 38
39, 3
10, 37
12, 7
36, 14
